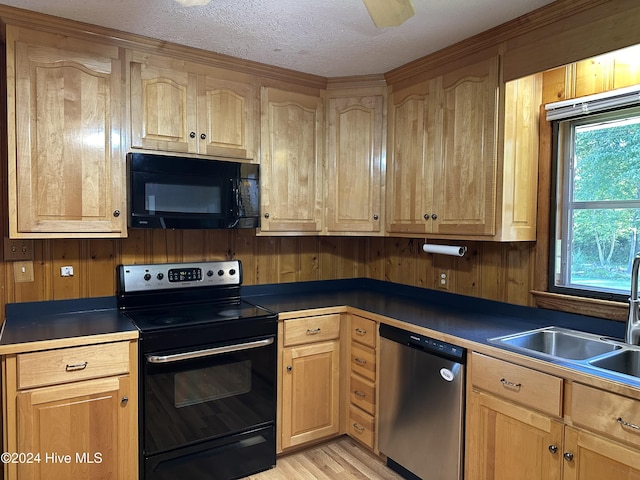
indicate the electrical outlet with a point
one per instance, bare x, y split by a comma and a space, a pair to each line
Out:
16, 250
66, 271
443, 279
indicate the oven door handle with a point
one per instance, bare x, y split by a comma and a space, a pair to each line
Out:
208, 352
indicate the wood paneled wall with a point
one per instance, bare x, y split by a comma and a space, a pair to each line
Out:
488, 270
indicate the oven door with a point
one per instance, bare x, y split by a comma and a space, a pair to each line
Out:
208, 393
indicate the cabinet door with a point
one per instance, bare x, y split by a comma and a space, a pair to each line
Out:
310, 392
506, 441
594, 458
226, 118
81, 430
354, 175
291, 166
66, 166
465, 173
410, 168
163, 106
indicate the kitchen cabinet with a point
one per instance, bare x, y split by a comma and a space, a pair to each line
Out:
310, 376
65, 159
182, 107
463, 156
291, 162
74, 409
513, 422
362, 380
355, 162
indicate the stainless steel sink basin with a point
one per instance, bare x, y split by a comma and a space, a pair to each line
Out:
626, 362
559, 343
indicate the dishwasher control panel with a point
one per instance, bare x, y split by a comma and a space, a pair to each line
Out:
422, 342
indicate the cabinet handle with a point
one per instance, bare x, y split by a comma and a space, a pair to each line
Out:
76, 366
360, 361
313, 331
192, 134
266, 215
116, 213
427, 216
361, 332
375, 216
434, 216
124, 401
509, 384
627, 424
203, 136
553, 448
568, 456
359, 394
358, 427
289, 368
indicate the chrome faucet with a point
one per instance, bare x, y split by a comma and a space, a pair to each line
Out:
632, 335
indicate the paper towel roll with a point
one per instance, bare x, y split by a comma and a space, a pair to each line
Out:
444, 249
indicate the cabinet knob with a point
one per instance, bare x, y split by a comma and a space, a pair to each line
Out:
375, 216
289, 368
266, 215
203, 136
434, 216
116, 213
553, 448
192, 135
427, 216
568, 456
124, 401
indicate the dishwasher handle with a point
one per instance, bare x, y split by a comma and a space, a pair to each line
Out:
424, 343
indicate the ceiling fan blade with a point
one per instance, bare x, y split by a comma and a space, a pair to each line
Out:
389, 13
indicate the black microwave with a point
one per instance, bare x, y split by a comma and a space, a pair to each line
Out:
187, 193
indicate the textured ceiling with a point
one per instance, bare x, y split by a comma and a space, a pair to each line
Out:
324, 37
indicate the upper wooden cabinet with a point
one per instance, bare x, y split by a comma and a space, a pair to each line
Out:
65, 161
183, 107
355, 162
291, 162
463, 156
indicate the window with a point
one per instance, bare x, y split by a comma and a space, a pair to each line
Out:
597, 199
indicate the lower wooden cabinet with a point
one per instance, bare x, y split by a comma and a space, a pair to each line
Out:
310, 373
78, 421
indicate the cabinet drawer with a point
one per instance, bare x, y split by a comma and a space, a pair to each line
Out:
64, 365
361, 426
363, 361
606, 412
363, 331
519, 384
363, 394
311, 329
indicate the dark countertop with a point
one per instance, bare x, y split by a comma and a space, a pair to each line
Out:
40, 323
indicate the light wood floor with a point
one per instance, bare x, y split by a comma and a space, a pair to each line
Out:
340, 459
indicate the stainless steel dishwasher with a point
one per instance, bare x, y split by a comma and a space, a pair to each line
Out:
421, 412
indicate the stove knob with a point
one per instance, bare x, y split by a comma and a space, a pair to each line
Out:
147, 277
210, 273
220, 273
232, 272
160, 276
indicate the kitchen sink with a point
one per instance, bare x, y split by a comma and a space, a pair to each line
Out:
626, 362
559, 342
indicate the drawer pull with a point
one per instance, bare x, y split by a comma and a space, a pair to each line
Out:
360, 361
76, 366
358, 428
627, 424
361, 332
509, 384
359, 394
313, 331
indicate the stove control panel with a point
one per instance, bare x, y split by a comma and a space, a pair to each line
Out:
137, 278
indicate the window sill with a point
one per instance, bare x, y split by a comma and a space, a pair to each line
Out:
582, 305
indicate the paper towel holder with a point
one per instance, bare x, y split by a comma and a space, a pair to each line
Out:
454, 250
